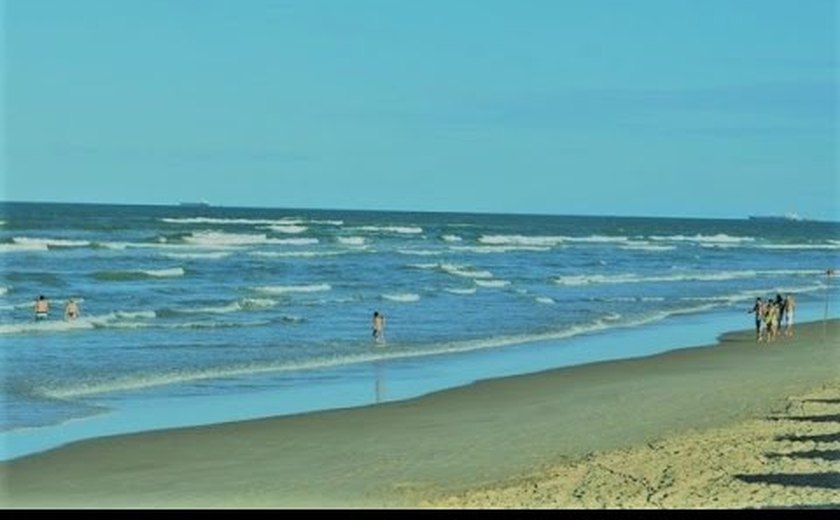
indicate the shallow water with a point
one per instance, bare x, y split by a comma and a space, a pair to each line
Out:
197, 315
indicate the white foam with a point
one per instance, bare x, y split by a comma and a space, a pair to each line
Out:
547, 241
455, 269
216, 238
451, 238
49, 325
456, 290
635, 245
212, 324
419, 252
492, 283
132, 315
218, 309
803, 247
58, 324
215, 255
521, 240
283, 289
679, 277
432, 265
4, 291
793, 272
220, 238
402, 297
296, 254
119, 246
243, 305
750, 295
545, 299
597, 239
407, 230
635, 278
258, 303
290, 221
49, 242
222, 221
629, 299
720, 238
164, 273
465, 271
24, 305
352, 241
160, 244
497, 249
20, 248
293, 241
289, 229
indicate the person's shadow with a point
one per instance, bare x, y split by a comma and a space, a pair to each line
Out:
816, 479
379, 382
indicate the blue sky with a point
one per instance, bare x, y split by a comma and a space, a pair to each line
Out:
719, 108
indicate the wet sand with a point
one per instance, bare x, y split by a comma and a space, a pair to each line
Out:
736, 424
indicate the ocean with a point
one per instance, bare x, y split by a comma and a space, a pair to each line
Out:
197, 315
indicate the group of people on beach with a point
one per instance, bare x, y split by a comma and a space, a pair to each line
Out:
42, 309
771, 315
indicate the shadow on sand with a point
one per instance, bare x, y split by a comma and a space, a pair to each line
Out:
826, 401
826, 437
822, 480
825, 480
810, 454
809, 418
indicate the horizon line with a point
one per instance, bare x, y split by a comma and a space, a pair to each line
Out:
204, 204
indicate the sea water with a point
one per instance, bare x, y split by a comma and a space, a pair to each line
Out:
197, 315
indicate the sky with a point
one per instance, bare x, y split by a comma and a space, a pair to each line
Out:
712, 109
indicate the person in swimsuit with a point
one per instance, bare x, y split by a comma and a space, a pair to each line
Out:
71, 310
757, 309
42, 308
780, 306
772, 318
378, 327
790, 307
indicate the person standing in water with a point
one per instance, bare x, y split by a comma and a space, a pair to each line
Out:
378, 327
71, 310
42, 308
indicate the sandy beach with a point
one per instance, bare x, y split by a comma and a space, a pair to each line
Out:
732, 425
785, 460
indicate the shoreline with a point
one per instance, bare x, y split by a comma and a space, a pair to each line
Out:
372, 382
424, 451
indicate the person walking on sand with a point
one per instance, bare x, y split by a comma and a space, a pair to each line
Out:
758, 310
71, 310
771, 318
780, 307
42, 308
378, 327
790, 307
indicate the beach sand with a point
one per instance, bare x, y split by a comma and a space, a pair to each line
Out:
733, 425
